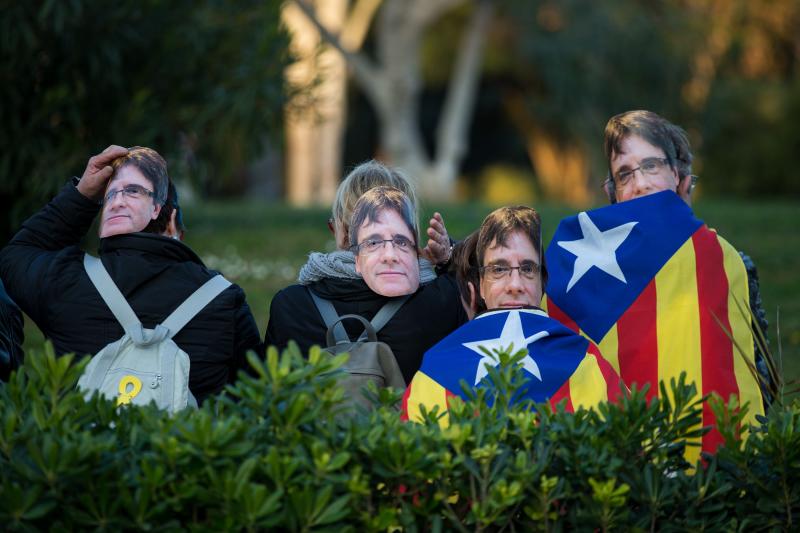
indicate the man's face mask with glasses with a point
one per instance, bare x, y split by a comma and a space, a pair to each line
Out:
529, 271
136, 208
386, 254
649, 166
657, 170
500, 286
369, 246
131, 192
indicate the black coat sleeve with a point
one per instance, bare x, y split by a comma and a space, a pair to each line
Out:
293, 317
28, 258
274, 335
760, 318
11, 335
449, 281
247, 336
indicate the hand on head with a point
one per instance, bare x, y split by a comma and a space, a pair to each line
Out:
98, 170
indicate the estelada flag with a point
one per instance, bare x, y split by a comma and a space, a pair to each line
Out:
645, 279
560, 365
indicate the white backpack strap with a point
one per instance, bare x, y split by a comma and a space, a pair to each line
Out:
195, 303
330, 317
385, 314
112, 296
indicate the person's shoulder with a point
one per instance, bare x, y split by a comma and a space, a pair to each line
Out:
64, 267
292, 291
723, 242
748, 262
289, 296
440, 297
443, 284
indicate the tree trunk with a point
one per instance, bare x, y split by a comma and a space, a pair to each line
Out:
393, 84
315, 116
453, 133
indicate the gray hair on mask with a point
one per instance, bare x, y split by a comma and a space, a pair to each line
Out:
377, 200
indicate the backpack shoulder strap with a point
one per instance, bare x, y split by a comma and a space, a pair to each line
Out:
194, 304
112, 296
330, 317
385, 314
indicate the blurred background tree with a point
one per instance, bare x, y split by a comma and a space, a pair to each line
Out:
468, 96
750, 122
553, 72
577, 64
391, 79
316, 115
202, 82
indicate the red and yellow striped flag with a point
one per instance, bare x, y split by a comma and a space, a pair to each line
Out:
659, 297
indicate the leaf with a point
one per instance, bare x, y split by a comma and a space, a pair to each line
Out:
334, 512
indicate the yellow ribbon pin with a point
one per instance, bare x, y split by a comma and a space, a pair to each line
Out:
127, 394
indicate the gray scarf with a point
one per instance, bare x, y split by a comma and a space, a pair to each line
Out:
341, 264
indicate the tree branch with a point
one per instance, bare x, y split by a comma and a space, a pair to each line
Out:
426, 11
366, 72
358, 23
453, 129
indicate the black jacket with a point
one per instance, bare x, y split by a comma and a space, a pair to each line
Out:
11, 335
43, 270
430, 314
760, 319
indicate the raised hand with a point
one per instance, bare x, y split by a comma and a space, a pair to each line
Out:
98, 170
438, 248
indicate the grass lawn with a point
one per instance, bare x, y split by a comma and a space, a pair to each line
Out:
261, 247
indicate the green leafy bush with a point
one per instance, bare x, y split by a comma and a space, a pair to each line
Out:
271, 454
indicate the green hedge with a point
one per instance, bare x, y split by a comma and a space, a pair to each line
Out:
271, 454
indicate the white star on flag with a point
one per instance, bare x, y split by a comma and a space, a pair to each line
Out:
512, 334
596, 248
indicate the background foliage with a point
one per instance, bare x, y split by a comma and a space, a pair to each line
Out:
199, 81
726, 71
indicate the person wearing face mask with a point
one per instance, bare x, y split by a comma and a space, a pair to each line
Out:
647, 154
43, 269
501, 276
383, 243
659, 292
340, 263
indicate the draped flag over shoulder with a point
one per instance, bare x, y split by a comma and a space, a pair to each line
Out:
560, 364
657, 290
